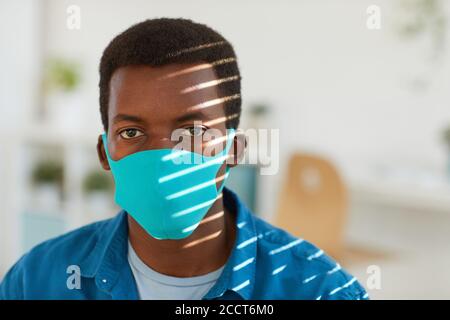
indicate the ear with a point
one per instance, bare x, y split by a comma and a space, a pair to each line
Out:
238, 148
102, 154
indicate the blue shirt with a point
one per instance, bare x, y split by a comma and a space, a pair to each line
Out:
265, 263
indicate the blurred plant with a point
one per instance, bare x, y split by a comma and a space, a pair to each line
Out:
424, 17
97, 181
61, 75
259, 109
258, 115
48, 172
446, 136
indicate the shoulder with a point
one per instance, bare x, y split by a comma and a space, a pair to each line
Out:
304, 270
49, 261
73, 246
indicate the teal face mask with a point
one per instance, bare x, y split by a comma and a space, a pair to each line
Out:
167, 195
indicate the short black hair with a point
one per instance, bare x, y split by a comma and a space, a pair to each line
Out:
163, 41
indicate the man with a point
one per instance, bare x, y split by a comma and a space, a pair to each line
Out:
181, 234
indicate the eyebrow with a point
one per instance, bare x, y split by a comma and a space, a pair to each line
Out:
127, 117
193, 116
197, 115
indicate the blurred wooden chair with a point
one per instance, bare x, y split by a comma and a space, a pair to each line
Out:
313, 203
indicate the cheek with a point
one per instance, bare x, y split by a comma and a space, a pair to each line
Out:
118, 152
119, 149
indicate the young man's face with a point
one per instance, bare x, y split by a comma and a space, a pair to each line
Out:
147, 104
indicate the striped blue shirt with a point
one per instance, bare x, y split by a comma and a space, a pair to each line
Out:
265, 263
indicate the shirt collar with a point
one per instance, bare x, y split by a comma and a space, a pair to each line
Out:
107, 263
111, 240
108, 258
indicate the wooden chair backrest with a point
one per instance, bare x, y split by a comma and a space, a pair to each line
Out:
313, 203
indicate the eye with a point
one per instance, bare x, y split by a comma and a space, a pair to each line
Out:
195, 131
130, 133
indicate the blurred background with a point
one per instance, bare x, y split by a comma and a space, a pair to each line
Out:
360, 95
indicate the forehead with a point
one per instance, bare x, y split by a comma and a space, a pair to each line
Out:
161, 93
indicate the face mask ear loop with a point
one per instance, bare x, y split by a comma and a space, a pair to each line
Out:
227, 150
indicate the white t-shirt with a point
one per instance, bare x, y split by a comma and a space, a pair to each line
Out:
153, 285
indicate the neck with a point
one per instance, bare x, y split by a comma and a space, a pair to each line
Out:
204, 251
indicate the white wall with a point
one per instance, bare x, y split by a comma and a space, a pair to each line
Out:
337, 88
20, 56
